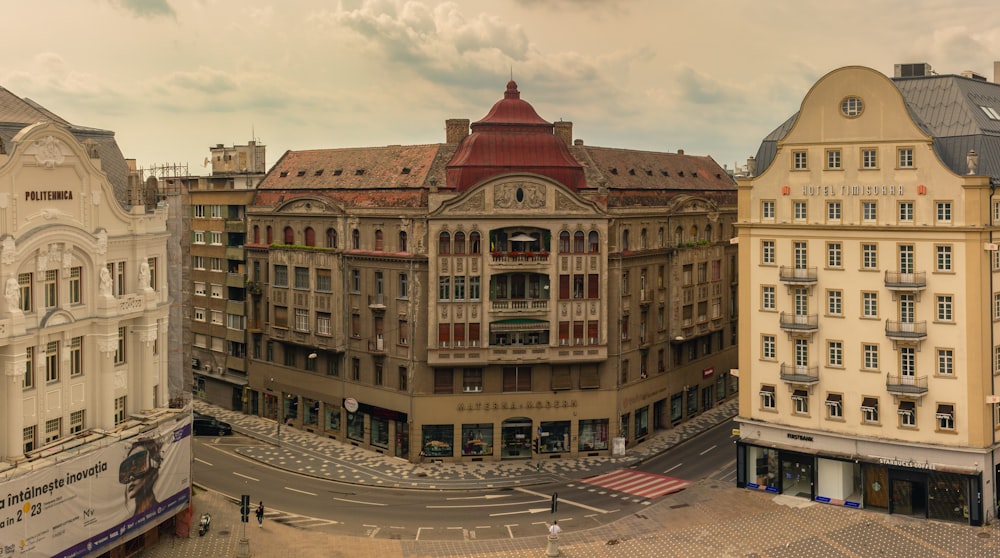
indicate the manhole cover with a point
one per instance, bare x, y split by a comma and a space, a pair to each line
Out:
223, 533
983, 535
613, 541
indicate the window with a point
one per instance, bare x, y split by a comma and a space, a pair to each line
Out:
331, 238
579, 241
996, 306
444, 243
444, 380
799, 161
53, 430
301, 319
869, 410
29, 368
474, 288
945, 417
459, 242
943, 258
76, 357
767, 256
943, 212
833, 211
403, 332
768, 347
799, 210
767, 209
832, 159
870, 356
906, 212
444, 288
945, 362
198, 314
833, 255
801, 352
869, 158
767, 397
199, 237
516, 378
834, 302
800, 399
379, 380
472, 379
323, 323
852, 107
907, 414
302, 278
216, 264
52, 362
834, 406
280, 275
324, 280
76, 422
75, 285
869, 211
869, 256
356, 239
28, 437
402, 378
216, 211
869, 305
905, 157
120, 347
355, 280
768, 297
404, 286
403, 246
217, 291
24, 282
944, 308
990, 113
198, 211
120, 407
475, 243
356, 369
459, 291
50, 288
215, 237
198, 262
593, 242
835, 353
800, 255
237, 322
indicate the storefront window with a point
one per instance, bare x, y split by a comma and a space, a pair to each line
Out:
291, 407
478, 439
332, 417
948, 498
555, 437
311, 416
593, 434
720, 387
734, 385
676, 407
623, 426
763, 467
380, 432
641, 422
692, 400
438, 440
356, 426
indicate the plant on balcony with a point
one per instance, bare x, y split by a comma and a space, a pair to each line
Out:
254, 287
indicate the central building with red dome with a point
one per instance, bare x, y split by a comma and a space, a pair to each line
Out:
510, 293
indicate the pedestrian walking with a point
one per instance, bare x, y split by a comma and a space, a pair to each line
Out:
555, 529
260, 514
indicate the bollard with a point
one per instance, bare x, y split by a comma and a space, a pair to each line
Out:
243, 551
553, 547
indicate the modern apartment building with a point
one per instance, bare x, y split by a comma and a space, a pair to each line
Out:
869, 267
82, 338
508, 293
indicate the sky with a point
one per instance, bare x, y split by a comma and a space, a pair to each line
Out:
172, 78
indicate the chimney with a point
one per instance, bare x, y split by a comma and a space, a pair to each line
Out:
564, 131
456, 129
680, 151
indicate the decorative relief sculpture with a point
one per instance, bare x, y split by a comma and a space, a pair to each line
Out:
9, 247
48, 152
519, 195
12, 292
106, 282
144, 277
475, 203
102, 242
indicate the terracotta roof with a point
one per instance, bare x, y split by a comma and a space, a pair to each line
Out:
648, 170
512, 138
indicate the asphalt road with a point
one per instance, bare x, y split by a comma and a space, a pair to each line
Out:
349, 509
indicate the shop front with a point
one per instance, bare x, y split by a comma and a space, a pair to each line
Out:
932, 484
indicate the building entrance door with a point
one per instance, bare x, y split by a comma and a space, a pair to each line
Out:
909, 497
515, 435
797, 475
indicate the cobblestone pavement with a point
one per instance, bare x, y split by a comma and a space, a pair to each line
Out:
710, 518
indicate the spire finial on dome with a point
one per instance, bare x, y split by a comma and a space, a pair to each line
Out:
512, 92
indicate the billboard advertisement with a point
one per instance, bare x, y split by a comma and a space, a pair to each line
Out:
96, 500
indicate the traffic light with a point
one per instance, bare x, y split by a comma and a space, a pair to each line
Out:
245, 508
555, 501
534, 445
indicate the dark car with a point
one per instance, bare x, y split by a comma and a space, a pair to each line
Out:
205, 425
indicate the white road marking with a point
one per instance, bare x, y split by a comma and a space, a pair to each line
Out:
420, 529
486, 496
708, 450
530, 510
203, 461
484, 505
672, 468
246, 477
299, 491
562, 500
359, 502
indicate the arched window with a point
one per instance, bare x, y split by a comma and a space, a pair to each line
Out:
310, 236
474, 243
289, 235
564, 241
679, 236
708, 233
331, 238
460, 242
402, 241
444, 243
356, 239
624, 240
594, 242
694, 233
379, 243
642, 239
578, 242
270, 235
256, 234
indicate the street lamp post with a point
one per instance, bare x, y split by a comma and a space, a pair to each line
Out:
277, 411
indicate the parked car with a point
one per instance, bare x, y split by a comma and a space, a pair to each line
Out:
205, 425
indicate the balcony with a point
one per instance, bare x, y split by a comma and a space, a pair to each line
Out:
896, 281
376, 302
645, 297
236, 280
905, 384
520, 305
801, 375
235, 253
797, 276
377, 345
520, 258
236, 226
795, 322
905, 331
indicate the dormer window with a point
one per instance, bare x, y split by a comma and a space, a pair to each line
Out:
301, 173
319, 172
359, 172
406, 170
338, 172
283, 174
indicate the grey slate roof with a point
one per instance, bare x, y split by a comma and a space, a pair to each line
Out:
947, 107
16, 113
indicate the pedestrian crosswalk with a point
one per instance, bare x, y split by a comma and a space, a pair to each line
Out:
638, 483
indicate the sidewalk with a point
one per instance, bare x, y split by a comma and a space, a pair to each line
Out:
314, 455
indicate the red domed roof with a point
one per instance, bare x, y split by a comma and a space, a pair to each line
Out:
512, 138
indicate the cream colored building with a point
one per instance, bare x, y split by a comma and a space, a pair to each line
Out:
868, 352
507, 294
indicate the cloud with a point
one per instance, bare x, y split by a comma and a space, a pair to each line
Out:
146, 8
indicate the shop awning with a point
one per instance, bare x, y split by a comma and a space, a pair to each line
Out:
800, 394
906, 408
767, 390
834, 400
946, 411
869, 404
